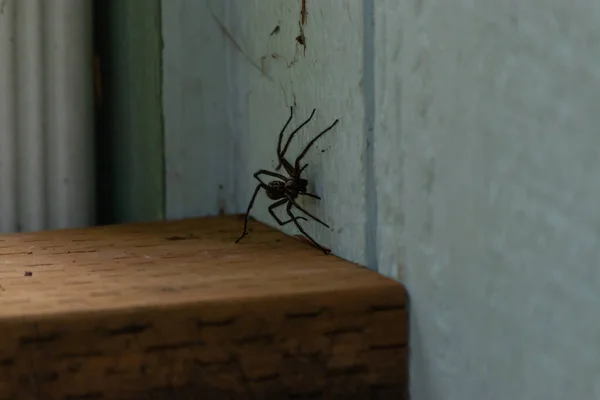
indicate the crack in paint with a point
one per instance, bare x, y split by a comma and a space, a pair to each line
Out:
237, 46
301, 38
303, 12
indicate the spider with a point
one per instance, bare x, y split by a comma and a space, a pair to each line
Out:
286, 189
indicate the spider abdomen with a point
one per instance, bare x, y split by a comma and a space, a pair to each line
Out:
275, 190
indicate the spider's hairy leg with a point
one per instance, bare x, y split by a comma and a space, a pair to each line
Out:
289, 140
262, 185
279, 203
283, 130
310, 144
289, 211
268, 173
292, 201
314, 196
245, 231
281, 154
286, 165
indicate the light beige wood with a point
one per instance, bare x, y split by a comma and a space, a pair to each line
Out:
162, 309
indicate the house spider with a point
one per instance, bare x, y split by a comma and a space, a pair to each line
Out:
286, 189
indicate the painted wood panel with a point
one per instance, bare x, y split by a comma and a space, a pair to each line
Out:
225, 105
495, 105
326, 75
198, 107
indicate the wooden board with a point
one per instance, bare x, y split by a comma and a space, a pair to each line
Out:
163, 309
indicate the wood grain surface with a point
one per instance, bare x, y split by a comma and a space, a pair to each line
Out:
176, 309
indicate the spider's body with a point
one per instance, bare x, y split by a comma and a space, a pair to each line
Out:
275, 190
286, 189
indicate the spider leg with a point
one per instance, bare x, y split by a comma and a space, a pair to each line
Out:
292, 201
279, 203
289, 211
309, 145
268, 173
244, 231
281, 154
314, 196
289, 140
286, 165
302, 169
283, 130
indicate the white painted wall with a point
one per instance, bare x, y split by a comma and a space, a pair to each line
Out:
479, 176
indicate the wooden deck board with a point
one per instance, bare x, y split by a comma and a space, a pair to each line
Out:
163, 309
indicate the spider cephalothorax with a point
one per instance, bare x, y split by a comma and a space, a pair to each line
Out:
285, 189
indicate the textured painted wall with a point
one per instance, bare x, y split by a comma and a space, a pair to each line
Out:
199, 110
493, 200
464, 164
229, 82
